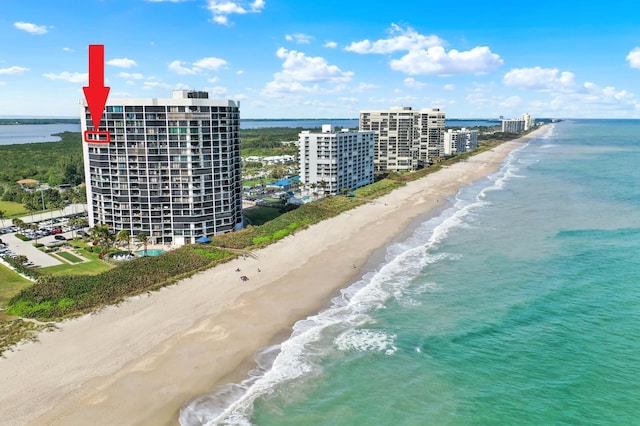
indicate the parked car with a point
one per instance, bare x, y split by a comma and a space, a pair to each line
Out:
56, 231
60, 237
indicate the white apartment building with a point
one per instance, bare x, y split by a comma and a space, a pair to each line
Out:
334, 160
406, 139
459, 141
171, 170
513, 125
529, 122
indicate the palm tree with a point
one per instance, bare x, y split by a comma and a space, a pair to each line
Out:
2, 216
124, 236
18, 222
102, 236
34, 227
143, 239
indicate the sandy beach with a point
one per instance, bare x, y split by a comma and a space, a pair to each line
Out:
140, 361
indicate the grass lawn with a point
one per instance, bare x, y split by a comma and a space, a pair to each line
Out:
68, 256
10, 284
259, 215
12, 209
93, 267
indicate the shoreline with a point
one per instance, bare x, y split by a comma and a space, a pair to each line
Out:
141, 361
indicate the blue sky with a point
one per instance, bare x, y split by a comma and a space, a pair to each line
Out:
329, 58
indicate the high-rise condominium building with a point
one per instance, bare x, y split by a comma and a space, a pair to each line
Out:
513, 125
171, 168
459, 141
406, 139
333, 161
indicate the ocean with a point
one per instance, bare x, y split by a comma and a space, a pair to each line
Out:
518, 304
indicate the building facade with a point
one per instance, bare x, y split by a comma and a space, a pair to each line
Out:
459, 141
172, 168
333, 161
405, 139
513, 125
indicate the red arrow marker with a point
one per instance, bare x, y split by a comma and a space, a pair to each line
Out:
96, 94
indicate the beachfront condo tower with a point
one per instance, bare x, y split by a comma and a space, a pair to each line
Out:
333, 161
459, 141
405, 139
170, 168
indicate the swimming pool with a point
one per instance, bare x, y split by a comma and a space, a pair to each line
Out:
151, 252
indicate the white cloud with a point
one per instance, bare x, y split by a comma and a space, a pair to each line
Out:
299, 38
363, 87
436, 61
449, 87
31, 28
425, 54
221, 9
239, 72
210, 63
13, 70
539, 79
2, 83
299, 68
400, 40
217, 91
122, 62
511, 102
72, 77
177, 67
148, 85
634, 58
212, 79
331, 44
412, 82
68, 49
181, 86
134, 76
169, 1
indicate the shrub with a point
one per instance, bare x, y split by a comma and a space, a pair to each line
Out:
22, 237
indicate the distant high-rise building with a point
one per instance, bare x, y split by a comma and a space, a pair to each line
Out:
333, 161
513, 125
459, 141
172, 168
405, 139
529, 122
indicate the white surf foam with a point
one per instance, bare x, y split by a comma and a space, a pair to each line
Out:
347, 324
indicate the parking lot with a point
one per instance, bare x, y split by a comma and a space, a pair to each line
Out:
50, 232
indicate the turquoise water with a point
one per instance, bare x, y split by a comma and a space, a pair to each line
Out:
150, 252
520, 304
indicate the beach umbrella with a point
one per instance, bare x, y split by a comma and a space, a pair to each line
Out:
203, 240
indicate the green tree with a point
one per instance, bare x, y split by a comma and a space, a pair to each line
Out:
103, 237
34, 227
143, 239
18, 222
2, 214
124, 236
